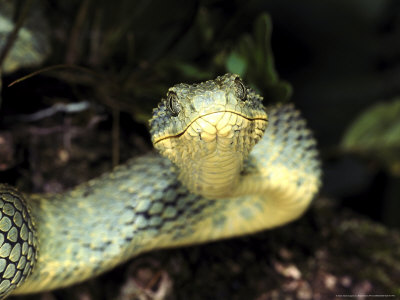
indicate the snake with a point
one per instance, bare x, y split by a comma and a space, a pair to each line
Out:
225, 166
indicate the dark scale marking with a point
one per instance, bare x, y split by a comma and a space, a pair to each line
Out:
181, 234
300, 126
129, 223
276, 123
128, 239
157, 227
285, 132
144, 214
290, 118
197, 210
180, 213
107, 243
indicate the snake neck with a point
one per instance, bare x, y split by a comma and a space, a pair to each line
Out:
214, 175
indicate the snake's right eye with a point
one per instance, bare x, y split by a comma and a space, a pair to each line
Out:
173, 104
240, 89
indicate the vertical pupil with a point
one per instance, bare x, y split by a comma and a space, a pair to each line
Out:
172, 105
240, 89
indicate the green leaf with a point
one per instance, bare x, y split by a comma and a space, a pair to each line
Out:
253, 59
376, 133
236, 64
32, 45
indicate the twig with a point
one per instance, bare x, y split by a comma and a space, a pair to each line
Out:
96, 53
51, 68
115, 137
71, 53
50, 111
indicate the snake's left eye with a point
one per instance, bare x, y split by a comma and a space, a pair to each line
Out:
173, 104
240, 89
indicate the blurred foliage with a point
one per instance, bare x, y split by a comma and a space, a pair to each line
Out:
146, 50
376, 133
32, 45
252, 58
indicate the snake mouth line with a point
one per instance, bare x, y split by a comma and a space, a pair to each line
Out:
207, 114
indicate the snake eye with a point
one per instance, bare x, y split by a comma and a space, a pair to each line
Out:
173, 104
240, 89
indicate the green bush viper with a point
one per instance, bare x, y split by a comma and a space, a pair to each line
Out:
218, 176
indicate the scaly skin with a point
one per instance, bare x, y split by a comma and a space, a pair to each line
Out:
145, 204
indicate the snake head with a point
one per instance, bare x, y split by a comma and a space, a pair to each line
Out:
208, 124
186, 103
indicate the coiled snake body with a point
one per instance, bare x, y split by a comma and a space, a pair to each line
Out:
213, 184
